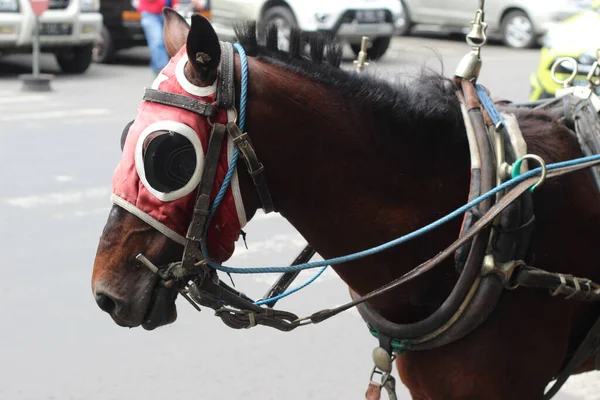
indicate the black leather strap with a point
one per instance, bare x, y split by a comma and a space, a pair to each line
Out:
255, 168
587, 348
225, 85
192, 251
180, 101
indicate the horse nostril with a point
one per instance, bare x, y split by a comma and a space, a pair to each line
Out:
105, 303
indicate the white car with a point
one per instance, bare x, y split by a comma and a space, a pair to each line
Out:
519, 23
68, 29
349, 20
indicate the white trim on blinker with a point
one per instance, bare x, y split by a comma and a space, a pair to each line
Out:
192, 136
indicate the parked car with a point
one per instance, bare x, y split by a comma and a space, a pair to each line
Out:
349, 20
577, 37
520, 24
68, 29
122, 28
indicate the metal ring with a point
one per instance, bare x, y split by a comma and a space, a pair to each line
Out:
516, 169
564, 82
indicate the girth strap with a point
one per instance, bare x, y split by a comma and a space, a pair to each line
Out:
255, 167
225, 85
180, 101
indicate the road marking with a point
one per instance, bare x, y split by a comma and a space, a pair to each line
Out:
60, 198
260, 215
82, 213
274, 244
93, 211
14, 98
88, 112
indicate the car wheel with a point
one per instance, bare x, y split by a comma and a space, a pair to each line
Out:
284, 19
104, 48
403, 25
517, 30
75, 60
378, 48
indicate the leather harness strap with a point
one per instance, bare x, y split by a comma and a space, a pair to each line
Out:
255, 167
180, 101
226, 84
587, 348
193, 252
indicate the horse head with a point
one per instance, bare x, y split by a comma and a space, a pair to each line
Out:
154, 185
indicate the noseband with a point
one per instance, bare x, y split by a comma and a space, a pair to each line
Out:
237, 310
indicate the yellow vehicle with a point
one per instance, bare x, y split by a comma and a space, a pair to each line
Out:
577, 37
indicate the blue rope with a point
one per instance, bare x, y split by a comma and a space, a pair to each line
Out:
234, 155
231, 170
241, 124
285, 294
244, 93
405, 238
489, 105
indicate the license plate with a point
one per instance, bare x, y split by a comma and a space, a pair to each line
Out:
370, 16
55, 29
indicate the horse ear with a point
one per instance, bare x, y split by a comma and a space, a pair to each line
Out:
175, 31
203, 50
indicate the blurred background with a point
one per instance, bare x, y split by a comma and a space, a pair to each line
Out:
58, 150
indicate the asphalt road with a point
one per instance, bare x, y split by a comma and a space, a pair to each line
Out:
57, 154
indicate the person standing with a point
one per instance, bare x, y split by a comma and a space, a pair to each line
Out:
153, 22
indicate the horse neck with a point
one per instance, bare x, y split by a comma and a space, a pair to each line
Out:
347, 181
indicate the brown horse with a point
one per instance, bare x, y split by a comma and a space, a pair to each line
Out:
353, 161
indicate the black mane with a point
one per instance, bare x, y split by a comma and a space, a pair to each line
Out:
427, 102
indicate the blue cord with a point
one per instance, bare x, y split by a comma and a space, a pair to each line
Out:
489, 105
234, 155
405, 238
294, 290
241, 124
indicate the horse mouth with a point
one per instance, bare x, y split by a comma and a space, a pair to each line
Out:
161, 309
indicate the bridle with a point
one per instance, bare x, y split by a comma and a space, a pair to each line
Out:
235, 309
502, 224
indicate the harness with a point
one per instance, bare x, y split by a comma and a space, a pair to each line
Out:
491, 254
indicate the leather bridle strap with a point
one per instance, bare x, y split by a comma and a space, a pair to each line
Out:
226, 84
255, 167
193, 252
180, 101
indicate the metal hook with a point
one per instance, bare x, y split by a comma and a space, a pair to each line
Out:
565, 82
592, 74
516, 169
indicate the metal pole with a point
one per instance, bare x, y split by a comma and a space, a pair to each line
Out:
36, 49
